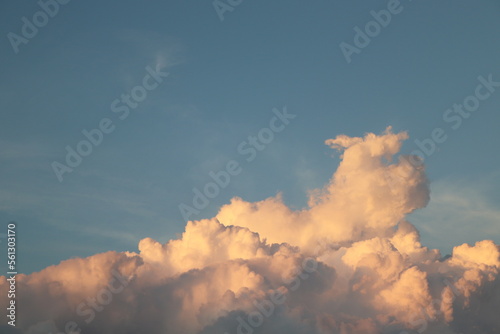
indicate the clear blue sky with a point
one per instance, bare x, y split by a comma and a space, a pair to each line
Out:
225, 77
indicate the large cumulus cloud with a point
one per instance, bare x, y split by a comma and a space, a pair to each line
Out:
349, 262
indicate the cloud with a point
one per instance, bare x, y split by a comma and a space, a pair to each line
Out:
358, 203
350, 262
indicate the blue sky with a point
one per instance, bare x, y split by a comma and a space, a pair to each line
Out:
225, 78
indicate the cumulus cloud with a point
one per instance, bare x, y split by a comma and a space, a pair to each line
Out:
350, 262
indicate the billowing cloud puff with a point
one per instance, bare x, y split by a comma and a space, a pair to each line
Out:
349, 262
366, 197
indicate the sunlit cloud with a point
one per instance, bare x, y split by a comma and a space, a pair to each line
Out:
349, 262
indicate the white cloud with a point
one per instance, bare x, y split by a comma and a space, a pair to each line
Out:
348, 263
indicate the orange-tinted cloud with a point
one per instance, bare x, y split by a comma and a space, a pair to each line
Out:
348, 263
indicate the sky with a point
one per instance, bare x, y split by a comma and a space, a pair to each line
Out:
212, 76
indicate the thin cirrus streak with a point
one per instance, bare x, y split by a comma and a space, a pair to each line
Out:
347, 263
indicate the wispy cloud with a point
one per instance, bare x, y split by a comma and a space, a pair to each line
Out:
460, 210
